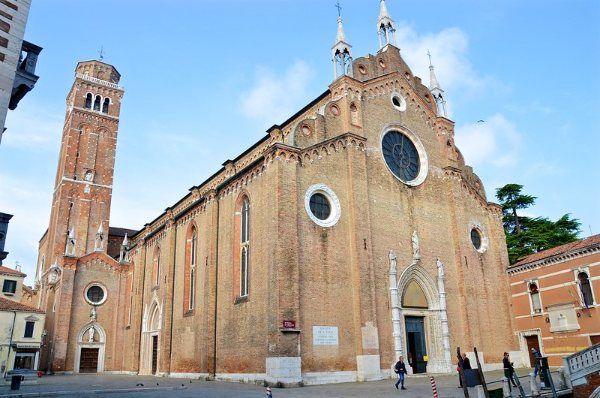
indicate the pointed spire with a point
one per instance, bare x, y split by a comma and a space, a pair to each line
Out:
341, 57
433, 82
386, 28
436, 89
124, 252
99, 238
125, 241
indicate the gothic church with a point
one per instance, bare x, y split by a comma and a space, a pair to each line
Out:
350, 234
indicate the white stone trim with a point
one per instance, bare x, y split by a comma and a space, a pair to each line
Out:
316, 378
485, 241
334, 204
423, 159
177, 375
283, 370
101, 286
241, 377
402, 100
100, 344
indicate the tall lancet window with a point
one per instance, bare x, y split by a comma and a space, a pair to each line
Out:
585, 288
156, 267
245, 247
536, 302
189, 288
97, 103
88, 101
105, 105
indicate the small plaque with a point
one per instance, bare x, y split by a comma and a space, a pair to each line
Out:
289, 324
325, 335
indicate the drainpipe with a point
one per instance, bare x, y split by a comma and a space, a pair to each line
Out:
12, 332
143, 250
216, 290
173, 292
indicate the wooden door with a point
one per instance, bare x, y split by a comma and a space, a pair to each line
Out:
532, 342
88, 361
154, 354
416, 347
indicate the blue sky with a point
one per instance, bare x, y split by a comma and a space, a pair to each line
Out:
205, 79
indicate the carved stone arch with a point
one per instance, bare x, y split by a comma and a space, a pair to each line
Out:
418, 274
84, 342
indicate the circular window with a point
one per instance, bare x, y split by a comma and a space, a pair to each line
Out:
306, 130
95, 295
476, 238
322, 205
407, 162
335, 110
399, 102
381, 63
362, 69
319, 206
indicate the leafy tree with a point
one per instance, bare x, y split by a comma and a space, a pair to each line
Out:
526, 235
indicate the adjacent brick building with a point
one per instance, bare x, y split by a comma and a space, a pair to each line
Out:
555, 296
350, 234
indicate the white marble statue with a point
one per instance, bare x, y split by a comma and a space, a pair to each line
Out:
440, 267
416, 248
91, 333
93, 314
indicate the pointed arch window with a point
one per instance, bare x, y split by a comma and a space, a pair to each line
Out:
585, 289
156, 268
97, 103
105, 105
245, 247
536, 301
88, 101
189, 288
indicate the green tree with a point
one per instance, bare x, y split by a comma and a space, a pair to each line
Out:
526, 235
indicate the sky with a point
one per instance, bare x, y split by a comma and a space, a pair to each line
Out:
204, 80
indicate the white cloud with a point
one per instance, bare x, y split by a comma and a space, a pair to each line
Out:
22, 199
33, 127
273, 98
449, 50
494, 141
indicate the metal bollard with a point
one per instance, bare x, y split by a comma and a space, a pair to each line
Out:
535, 392
506, 388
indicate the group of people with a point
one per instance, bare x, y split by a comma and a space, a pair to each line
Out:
509, 370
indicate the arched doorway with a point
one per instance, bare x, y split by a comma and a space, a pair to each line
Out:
413, 297
89, 357
420, 315
151, 335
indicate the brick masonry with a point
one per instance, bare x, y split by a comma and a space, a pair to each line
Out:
298, 271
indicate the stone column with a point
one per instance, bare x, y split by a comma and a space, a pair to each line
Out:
444, 316
395, 302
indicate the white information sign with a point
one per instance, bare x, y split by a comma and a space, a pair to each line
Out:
325, 335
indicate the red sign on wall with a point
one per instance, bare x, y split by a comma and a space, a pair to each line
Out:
289, 324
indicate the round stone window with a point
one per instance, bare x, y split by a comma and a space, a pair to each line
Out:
322, 205
404, 156
95, 294
476, 238
398, 102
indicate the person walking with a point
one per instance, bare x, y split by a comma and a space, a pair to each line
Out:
400, 369
509, 370
536, 366
466, 364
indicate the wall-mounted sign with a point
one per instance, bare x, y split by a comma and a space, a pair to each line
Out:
289, 324
325, 335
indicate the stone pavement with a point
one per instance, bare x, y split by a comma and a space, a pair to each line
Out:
118, 386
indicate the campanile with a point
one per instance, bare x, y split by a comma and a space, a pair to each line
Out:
83, 187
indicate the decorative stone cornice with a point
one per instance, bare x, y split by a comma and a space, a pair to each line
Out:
556, 259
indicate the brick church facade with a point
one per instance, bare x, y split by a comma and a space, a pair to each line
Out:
350, 234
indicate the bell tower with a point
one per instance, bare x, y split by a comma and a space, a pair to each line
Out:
84, 178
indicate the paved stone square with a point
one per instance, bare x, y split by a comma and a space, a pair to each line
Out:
125, 386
